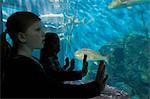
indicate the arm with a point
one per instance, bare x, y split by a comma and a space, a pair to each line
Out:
59, 75
64, 75
70, 75
78, 74
88, 90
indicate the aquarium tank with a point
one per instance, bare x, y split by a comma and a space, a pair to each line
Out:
118, 31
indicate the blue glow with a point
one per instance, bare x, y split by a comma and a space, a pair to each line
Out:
122, 33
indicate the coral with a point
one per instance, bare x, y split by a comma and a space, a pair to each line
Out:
129, 65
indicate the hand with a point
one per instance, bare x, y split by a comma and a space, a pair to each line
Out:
85, 66
67, 63
72, 65
100, 79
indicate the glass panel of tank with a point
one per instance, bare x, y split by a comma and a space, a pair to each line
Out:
117, 31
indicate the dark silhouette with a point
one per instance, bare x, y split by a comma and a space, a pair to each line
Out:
24, 76
51, 64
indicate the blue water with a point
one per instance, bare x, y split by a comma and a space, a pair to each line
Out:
123, 34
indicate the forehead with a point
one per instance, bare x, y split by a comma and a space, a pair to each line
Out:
36, 24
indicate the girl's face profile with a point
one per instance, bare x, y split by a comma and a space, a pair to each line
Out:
35, 36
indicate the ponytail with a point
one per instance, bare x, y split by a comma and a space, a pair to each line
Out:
5, 48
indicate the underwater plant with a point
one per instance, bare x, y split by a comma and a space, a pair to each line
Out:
129, 65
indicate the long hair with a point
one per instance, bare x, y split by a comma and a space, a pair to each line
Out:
5, 49
46, 51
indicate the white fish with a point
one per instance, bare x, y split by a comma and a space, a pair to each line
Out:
126, 3
91, 55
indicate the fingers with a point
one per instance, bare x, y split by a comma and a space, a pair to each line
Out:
72, 65
67, 61
100, 75
66, 64
85, 69
105, 79
102, 67
85, 66
101, 71
85, 63
101, 62
72, 62
85, 58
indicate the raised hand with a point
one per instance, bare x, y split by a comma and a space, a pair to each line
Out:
85, 66
67, 63
72, 65
100, 77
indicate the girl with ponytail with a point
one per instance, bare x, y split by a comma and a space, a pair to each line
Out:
24, 76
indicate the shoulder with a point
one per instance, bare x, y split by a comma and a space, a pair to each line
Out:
36, 58
21, 61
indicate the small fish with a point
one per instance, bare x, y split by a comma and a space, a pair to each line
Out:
91, 55
125, 3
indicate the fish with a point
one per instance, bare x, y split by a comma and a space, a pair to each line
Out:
125, 3
91, 55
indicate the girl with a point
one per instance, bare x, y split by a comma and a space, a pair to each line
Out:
24, 76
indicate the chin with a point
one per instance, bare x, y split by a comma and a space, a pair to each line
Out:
39, 47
